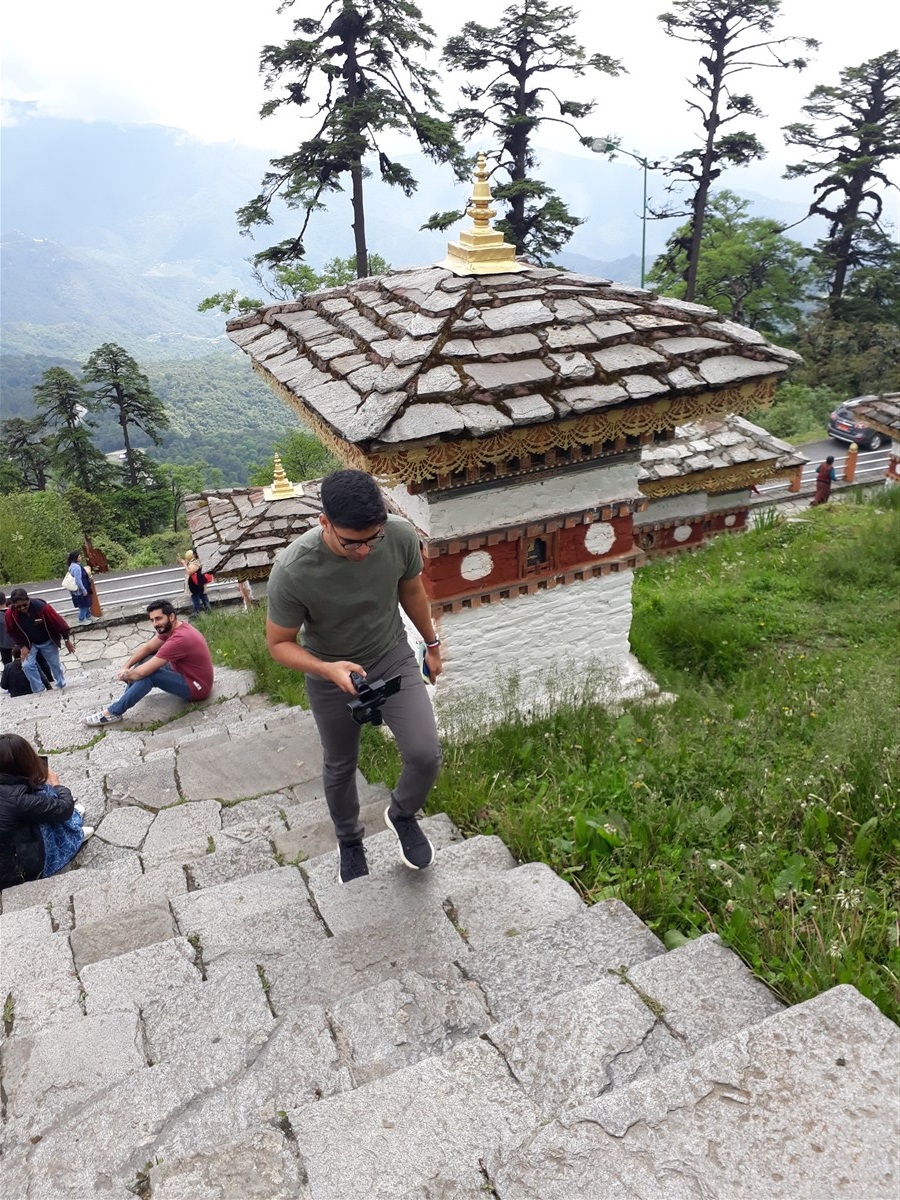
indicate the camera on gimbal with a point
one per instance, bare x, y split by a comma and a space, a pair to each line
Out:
366, 709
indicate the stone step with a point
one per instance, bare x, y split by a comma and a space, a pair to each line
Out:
802, 1106
762, 1105
516, 972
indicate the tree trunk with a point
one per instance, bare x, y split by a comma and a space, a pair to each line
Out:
359, 222
698, 204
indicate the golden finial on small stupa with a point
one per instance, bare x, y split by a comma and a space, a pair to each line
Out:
281, 487
481, 250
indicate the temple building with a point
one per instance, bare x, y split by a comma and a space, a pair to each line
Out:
505, 409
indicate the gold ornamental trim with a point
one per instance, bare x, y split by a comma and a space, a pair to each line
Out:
429, 460
716, 481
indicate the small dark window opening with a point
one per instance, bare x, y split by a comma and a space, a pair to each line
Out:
537, 554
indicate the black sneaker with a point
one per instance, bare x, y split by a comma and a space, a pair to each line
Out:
353, 861
415, 849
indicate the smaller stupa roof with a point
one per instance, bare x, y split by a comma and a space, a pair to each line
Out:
716, 446
881, 412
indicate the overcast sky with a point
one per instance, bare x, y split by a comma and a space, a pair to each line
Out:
193, 65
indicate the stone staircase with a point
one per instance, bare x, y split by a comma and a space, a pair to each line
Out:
197, 1010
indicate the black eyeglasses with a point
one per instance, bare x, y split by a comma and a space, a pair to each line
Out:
356, 543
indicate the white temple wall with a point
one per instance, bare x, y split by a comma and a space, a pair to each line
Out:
551, 642
509, 503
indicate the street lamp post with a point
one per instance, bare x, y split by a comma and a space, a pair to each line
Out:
610, 146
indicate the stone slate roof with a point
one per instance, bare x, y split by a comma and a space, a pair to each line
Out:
421, 353
715, 445
881, 412
237, 532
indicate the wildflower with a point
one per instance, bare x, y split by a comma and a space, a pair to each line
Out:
834, 950
728, 882
741, 846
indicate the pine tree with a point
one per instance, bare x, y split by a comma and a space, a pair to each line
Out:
354, 71
854, 129
64, 407
516, 60
732, 37
119, 384
27, 452
748, 269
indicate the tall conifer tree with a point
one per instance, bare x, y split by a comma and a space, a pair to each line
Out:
355, 71
515, 63
732, 36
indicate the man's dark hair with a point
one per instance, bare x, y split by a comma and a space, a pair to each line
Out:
352, 500
830, 459
2, 599
18, 593
165, 606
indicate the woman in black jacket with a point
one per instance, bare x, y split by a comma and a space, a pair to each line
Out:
40, 825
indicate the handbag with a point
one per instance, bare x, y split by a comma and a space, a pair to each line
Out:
68, 582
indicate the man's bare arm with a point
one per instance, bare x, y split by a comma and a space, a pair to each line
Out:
415, 603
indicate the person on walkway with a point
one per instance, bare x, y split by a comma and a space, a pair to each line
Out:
40, 825
36, 626
175, 660
6, 642
83, 594
825, 477
197, 582
340, 586
13, 678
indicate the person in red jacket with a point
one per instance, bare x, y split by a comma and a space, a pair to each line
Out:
36, 626
825, 477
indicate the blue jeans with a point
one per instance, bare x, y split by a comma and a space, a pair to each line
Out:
84, 606
166, 679
32, 672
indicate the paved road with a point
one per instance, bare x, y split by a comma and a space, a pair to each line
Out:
130, 589
870, 467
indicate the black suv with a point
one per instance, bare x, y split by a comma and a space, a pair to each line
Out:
844, 427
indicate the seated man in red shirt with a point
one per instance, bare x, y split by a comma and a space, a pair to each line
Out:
176, 660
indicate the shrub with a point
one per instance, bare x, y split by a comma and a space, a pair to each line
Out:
37, 532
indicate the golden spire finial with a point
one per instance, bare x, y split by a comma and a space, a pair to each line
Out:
281, 487
481, 250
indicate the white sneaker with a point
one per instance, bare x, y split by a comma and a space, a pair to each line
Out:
101, 718
87, 831
79, 808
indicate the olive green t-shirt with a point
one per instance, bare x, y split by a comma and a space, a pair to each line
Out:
345, 609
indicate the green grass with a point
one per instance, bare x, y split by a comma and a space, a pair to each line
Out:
762, 802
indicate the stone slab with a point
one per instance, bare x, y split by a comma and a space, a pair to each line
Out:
121, 933
58, 888
584, 1043
517, 972
262, 811
799, 1107
65, 1065
392, 891
401, 1021
210, 1029
106, 900
512, 903
704, 991
148, 785
37, 968
181, 833
232, 859
262, 915
246, 768
258, 1166
125, 826
133, 979
303, 842
462, 1103
347, 962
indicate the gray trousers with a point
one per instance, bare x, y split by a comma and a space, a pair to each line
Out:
410, 718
